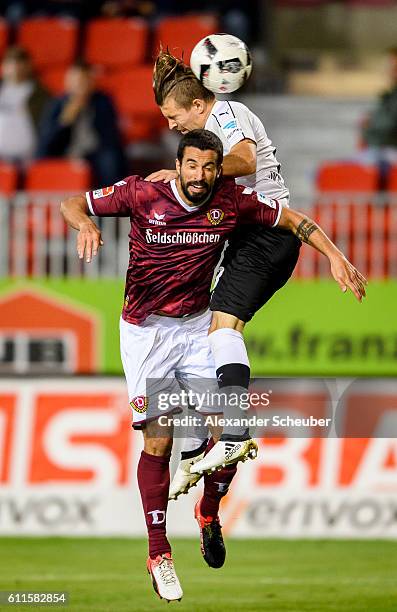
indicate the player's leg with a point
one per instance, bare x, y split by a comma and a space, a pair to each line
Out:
146, 357
233, 375
206, 512
254, 268
197, 434
154, 480
197, 374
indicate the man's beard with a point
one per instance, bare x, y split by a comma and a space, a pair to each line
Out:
196, 198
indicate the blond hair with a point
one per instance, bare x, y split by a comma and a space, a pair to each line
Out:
171, 76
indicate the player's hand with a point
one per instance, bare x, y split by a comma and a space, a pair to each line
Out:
347, 276
89, 240
162, 175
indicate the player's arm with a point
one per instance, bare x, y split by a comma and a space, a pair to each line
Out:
75, 211
345, 274
241, 160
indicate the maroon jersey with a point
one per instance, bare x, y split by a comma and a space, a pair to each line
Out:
174, 248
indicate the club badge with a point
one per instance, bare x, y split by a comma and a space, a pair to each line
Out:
215, 216
139, 403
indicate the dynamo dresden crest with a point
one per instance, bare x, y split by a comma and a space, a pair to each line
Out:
215, 216
139, 403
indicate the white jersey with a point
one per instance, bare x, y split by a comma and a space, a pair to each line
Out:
233, 122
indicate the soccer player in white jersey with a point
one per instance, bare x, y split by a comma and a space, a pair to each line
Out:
178, 231
258, 260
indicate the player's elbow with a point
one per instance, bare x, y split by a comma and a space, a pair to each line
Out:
251, 165
66, 207
63, 207
289, 219
73, 204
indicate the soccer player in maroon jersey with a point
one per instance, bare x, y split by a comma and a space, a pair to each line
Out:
177, 233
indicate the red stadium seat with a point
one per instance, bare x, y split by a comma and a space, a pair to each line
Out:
116, 43
181, 34
347, 176
8, 179
58, 175
132, 92
54, 80
3, 36
50, 41
392, 179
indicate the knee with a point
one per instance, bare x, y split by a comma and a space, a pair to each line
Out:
223, 320
159, 447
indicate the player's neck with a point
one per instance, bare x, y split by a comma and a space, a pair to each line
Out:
208, 110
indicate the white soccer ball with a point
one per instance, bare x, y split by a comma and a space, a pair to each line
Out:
222, 62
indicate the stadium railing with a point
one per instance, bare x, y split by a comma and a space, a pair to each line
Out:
35, 242
363, 226
358, 217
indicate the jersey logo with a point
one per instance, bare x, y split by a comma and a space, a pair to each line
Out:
231, 125
215, 216
265, 200
158, 219
139, 403
102, 193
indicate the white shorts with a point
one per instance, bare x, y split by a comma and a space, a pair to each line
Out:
174, 352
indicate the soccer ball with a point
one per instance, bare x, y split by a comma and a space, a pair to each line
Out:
222, 62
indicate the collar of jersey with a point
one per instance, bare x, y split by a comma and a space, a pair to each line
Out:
216, 108
178, 197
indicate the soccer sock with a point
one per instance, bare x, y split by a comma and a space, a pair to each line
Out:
233, 374
154, 483
216, 485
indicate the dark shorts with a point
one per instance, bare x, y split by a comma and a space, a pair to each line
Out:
257, 263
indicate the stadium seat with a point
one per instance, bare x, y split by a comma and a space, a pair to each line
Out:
132, 92
54, 79
8, 179
347, 176
3, 36
116, 43
181, 34
58, 175
50, 41
392, 179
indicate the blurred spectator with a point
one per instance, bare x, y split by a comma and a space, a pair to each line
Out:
22, 102
380, 130
129, 8
83, 124
16, 10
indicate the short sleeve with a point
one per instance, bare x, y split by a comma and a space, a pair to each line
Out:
115, 201
234, 121
256, 207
